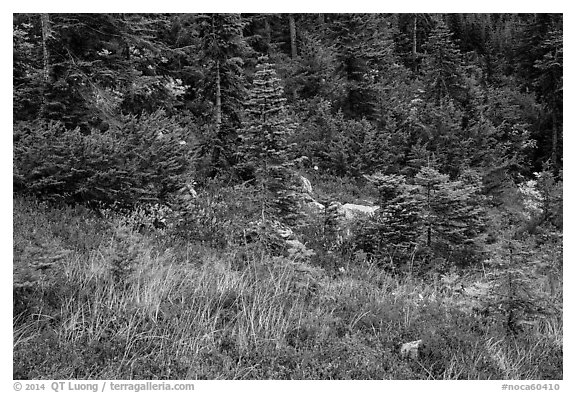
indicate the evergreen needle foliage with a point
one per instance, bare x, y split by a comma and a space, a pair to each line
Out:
140, 161
265, 148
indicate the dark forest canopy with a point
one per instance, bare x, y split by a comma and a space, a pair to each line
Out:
365, 92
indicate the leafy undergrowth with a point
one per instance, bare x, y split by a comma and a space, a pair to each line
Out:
112, 303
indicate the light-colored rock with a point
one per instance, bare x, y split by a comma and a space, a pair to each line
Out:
314, 206
351, 211
187, 192
285, 233
192, 191
317, 205
309, 204
306, 185
411, 349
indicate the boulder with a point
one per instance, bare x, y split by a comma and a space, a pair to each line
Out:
284, 232
411, 350
309, 204
306, 186
314, 207
351, 211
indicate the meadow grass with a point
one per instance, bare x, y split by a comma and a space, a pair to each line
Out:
120, 304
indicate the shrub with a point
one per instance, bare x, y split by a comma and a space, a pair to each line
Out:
219, 215
143, 159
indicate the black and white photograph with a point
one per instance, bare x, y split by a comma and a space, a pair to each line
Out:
287, 196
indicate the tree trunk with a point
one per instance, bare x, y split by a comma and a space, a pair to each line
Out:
45, 24
293, 44
554, 157
429, 229
218, 115
218, 97
292, 35
268, 34
414, 53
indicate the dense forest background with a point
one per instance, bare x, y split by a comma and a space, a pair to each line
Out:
222, 143
369, 92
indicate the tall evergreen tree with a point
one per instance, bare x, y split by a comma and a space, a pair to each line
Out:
549, 83
453, 218
265, 135
223, 49
442, 68
265, 148
395, 228
365, 54
411, 34
538, 68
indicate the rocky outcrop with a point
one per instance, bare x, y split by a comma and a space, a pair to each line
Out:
312, 207
309, 204
344, 214
306, 186
351, 211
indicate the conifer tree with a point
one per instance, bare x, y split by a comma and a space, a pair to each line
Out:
265, 148
377, 150
399, 215
451, 213
223, 50
392, 234
549, 84
438, 129
413, 29
265, 135
515, 297
442, 67
366, 56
